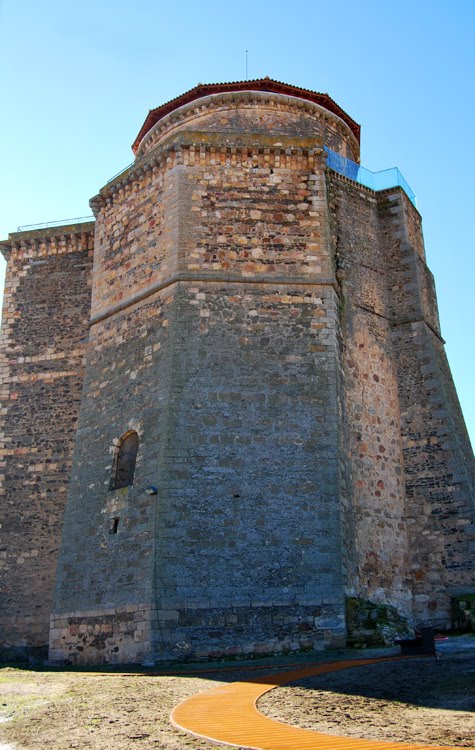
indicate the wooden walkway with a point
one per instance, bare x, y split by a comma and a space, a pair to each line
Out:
228, 714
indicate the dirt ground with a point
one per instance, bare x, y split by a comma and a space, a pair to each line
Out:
63, 710
422, 700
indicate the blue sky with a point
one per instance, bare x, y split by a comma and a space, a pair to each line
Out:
77, 81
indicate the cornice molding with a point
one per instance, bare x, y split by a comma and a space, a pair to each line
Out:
33, 239
223, 142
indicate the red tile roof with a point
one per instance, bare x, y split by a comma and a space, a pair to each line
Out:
259, 84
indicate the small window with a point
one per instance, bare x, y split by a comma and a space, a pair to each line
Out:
124, 464
113, 525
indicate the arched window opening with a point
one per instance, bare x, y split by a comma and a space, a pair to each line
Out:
124, 466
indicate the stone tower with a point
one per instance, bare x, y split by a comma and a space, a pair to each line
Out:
267, 425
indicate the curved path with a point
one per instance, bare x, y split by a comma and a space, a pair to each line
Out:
228, 714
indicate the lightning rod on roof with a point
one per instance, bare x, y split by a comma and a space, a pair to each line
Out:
246, 66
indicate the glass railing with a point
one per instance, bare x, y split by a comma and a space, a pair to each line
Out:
387, 178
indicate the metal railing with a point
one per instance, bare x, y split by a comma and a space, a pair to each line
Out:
121, 172
59, 223
386, 178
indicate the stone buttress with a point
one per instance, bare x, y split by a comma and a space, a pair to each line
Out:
410, 519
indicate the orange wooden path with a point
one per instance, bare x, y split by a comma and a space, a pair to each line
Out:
228, 714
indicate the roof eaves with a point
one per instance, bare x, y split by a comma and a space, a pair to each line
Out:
259, 84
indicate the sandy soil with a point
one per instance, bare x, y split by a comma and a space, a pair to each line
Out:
421, 700
60, 711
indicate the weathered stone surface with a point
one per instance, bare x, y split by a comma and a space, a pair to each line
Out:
269, 330
370, 624
44, 327
377, 540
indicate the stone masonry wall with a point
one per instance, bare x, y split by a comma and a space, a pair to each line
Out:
217, 341
439, 475
126, 387
136, 237
254, 213
376, 529
248, 550
255, 113
397, 382
45, 322
269, 329
438, 459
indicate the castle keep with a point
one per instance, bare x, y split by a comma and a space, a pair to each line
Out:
226, 407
